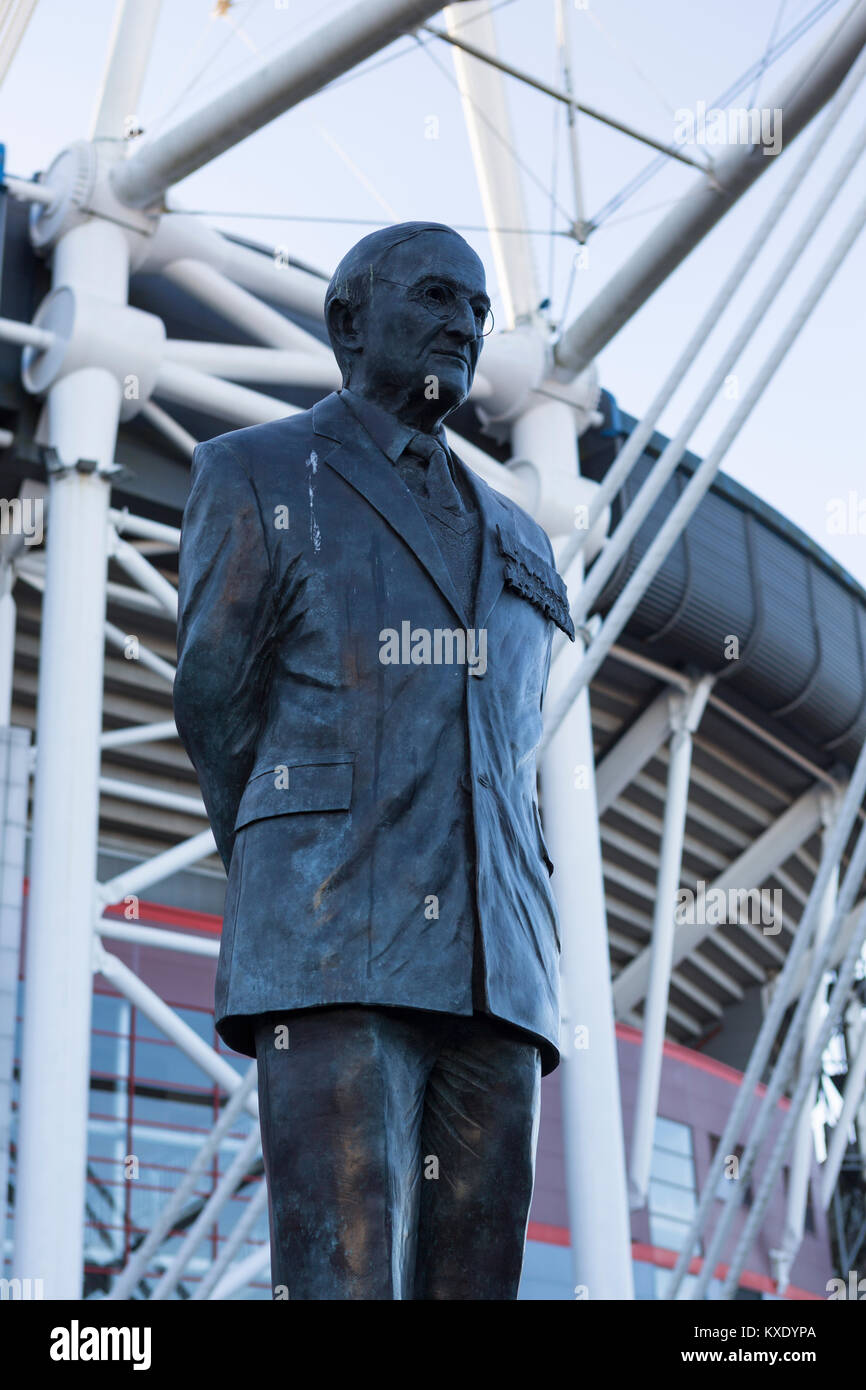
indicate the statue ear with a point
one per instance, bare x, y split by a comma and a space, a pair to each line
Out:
344, 324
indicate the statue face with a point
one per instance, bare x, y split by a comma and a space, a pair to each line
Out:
412, 360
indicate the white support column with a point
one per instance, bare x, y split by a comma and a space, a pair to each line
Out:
851, 1102
14, 784
592, 1115
783, 1258
131, 40
563, 43
83, 412
7, 641
685, 717
488, 124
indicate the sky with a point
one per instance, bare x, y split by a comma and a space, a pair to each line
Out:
360, 152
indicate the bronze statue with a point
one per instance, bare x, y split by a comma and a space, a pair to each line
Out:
364, 644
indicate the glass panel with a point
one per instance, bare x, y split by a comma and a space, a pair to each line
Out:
163, 1061
666, 1232
198, 1019
670, 1200
235, 1209
160, 1106
672, 1168
670, 1134
110, 1013
644, 1280
663, 1278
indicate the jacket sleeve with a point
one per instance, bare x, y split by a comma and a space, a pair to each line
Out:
225, 632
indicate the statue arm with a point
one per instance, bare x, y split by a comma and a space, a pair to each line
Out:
226, 624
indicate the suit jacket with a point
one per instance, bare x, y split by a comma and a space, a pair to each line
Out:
371, 814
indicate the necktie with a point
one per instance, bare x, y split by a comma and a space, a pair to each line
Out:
424, 468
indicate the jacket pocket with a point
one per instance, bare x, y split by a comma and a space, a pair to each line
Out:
288, 788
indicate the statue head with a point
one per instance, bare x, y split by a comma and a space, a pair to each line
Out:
407, 311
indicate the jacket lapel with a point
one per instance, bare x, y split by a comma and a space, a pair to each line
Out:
492, 513
354, 455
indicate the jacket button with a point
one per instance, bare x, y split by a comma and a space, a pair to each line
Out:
466, 782
484, 780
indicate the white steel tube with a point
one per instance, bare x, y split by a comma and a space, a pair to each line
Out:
800, 97
239, 404
563, 39
162, 1226
14, 33
642, 433
786, 1058
182, 236
242, 1273
666, 465
854, 1084
131, 41
120, 639
833, 848
183, 943
127, 522
152, 796
488, 124
28, 191
811, 1065
7, 642
144, 573
271, 278
138, 733
685, 720
703, 476
804, 1146
26, 334
244, 1224
154, 870
169, 427
82, 413
292, 368
218, 1068
240, 307
223, 1191
592, 1117
340, 44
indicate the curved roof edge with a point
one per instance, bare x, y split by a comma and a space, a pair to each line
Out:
742, 571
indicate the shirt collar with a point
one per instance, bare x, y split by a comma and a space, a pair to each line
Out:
391, 435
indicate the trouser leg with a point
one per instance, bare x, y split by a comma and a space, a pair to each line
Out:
480, 1126
340, 1111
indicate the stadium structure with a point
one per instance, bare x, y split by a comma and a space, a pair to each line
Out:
702, 776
